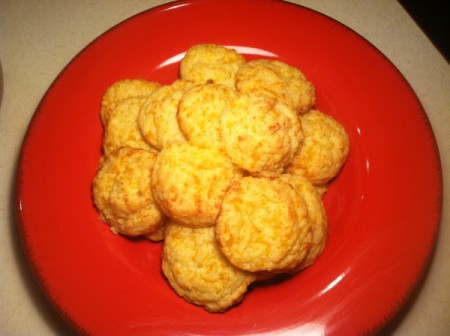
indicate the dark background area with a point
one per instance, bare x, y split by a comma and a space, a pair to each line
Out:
434, 19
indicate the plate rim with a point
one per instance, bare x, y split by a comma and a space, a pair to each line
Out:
37, 272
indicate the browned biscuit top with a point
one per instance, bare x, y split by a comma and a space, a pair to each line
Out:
211, 63
324, 151
158, 116
121, 90
260, 134
197, 270
122, 194
122, 129
199, 114
278, 80
189, 182
317, 216
263, 225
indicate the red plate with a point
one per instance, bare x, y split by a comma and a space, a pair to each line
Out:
384, 208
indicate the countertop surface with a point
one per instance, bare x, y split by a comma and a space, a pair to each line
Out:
38, 38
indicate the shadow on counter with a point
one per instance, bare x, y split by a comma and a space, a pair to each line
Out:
433, 17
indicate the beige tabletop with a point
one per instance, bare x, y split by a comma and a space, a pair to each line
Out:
38, 38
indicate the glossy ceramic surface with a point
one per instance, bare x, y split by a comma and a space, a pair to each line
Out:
383, 208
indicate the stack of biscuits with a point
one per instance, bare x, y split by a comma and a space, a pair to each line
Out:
227, 167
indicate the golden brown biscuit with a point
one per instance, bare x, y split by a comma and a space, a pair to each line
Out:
122, 129
324, 151
197, 270
189, 182
263, 225
199, 114
317, 216
279, 80
211, 63
260, 134
158, 117
121, 90
235, 192
122, 194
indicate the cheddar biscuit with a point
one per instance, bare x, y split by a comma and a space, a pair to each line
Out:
189, 182
122, 194
260, 134
226, 167
211, 63
279, 80
121, 90
263, 225
197, 270
317, 216
122, 129
324, 150
158, 117
199, 114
